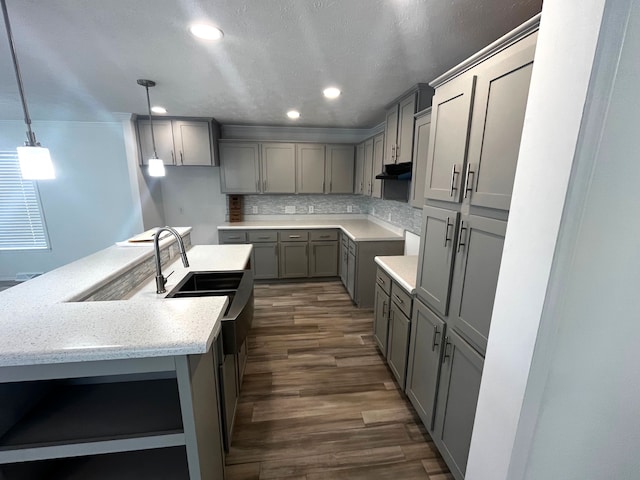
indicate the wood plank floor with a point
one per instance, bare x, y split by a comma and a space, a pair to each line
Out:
318, 401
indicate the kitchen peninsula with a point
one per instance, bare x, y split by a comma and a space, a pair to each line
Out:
100, 377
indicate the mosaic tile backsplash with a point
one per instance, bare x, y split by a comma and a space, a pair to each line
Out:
398, 214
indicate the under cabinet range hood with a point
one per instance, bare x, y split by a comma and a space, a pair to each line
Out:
396, 171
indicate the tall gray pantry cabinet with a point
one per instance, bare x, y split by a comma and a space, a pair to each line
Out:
477, 120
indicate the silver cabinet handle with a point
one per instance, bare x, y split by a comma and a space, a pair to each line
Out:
234, 238
453, 180
397, 153
447, 344
468, 187
173, 158
393, 153
181, 159
257, 185
325, 236
264, 238
446, 231
264, 185
330, 186
460, 242
434, 344
381, 281
398, 298
294, 236
384, 308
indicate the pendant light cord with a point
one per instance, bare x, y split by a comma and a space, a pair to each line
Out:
153, 138
31, 137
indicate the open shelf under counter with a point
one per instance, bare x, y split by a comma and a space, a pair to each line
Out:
74, 420
159, 464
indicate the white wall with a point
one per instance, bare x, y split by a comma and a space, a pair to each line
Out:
559, 391
90, 205
191, 197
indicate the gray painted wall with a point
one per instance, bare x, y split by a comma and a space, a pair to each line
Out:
90, 205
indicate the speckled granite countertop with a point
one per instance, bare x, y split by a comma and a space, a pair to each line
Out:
356, 230
403, 269
40, 324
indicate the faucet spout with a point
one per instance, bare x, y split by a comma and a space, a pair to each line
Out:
161, 279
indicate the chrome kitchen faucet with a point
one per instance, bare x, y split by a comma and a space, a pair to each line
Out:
160, 279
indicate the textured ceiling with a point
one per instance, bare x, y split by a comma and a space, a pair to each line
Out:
80, 58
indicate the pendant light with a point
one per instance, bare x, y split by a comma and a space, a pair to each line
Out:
35, 160
156, 166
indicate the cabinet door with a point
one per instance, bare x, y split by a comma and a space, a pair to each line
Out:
340, 161
323, 259
435, 260
480, 243
500, 102
398, 347
164, 141
390, 135
359, 185
369, 172
406, 112
310, 168
344, 263
420, 150
278, 167
423, 364
378, 165
294, 261
451, 117
192, 141
264, 259
351, 276
239, 168
229, 374
381, 319
457, 402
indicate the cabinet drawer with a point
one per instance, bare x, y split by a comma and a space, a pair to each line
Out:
323, 235
401, 298
232, 236
260, 236
293, 235
352, 247
384, 281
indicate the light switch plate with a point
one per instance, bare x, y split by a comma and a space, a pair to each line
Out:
290, 209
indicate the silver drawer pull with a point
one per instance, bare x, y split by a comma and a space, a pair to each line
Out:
398, 298
294, 236
234, 238
264, 238
325, 236
381, 281
435, 344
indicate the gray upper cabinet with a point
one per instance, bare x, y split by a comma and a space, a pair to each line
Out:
450, 117
381, 319
457, 401
500, 102
163, 132
406, 112
436, 256
240, 168
310, 168
480, 244
340, 160
192, 141
294, 261
378, 164
423, 365
278, 167
398, 343
369, 172
359, 184
390, 134
422, 130
323, 259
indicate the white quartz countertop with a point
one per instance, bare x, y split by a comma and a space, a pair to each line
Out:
403, 269
356, 230
40, 325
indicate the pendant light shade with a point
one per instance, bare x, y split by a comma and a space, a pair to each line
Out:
156, 166
35, 160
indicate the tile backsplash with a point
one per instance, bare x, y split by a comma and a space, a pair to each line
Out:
399, 214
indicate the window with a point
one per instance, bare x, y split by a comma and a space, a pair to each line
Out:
21, 220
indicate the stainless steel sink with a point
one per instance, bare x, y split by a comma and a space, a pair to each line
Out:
238, 286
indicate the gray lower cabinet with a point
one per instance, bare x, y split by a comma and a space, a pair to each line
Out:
351, 275
480, 244
278, 164
457, 401
423, 369
239, 167
398, 343
230, 392
294, 261
381, 319
344, 260
437, 251
340, 166
264, 261
323, 259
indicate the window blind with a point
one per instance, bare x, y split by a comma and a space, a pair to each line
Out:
22, 224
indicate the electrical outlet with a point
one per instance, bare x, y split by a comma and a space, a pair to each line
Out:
290, 209
310, 208
373, 211
389, 217
349, 209
255, 209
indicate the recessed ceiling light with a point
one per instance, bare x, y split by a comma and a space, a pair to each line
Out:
158, 109
206, 32
331, 92
293, 114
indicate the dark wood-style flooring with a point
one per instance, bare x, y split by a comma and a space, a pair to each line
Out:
318, 401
